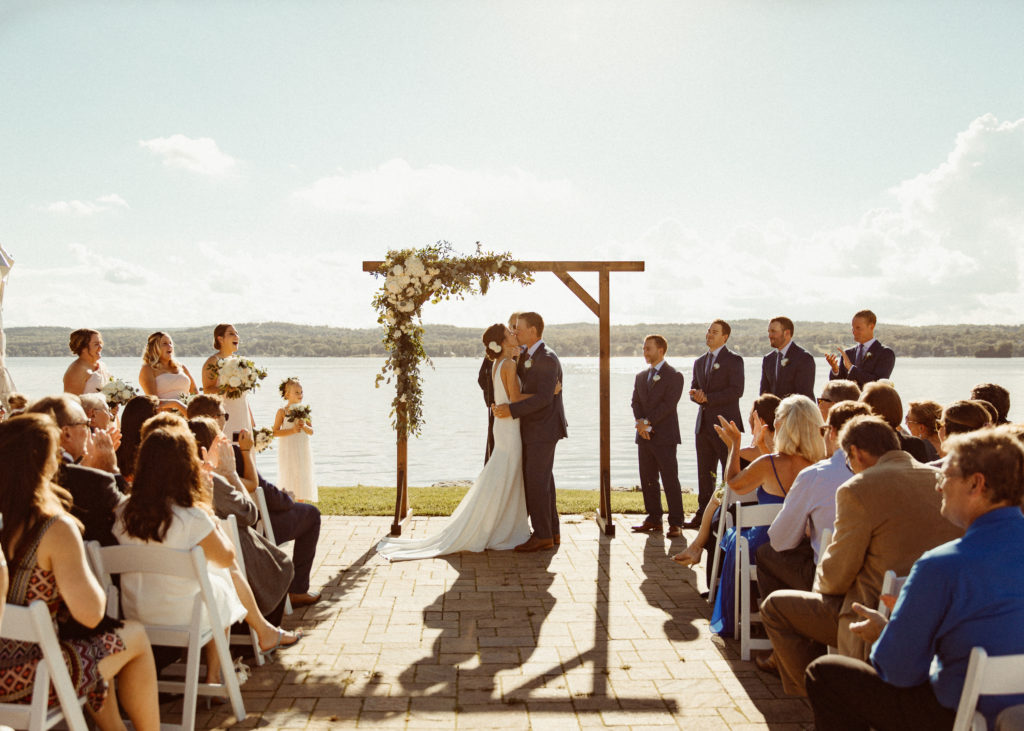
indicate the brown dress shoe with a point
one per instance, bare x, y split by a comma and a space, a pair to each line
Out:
767, 664
674, 531
535, 544
304, 599
647, 527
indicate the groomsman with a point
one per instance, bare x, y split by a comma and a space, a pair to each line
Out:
869, 360
788, 369
717, 385
656, 394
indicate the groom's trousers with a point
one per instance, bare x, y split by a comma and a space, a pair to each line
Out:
538, 461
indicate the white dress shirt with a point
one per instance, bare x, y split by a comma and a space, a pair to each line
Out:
810, 504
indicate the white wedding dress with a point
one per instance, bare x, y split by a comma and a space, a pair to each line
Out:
492, 514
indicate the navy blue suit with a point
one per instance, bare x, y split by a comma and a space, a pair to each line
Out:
723, 386
877, 363
795, 373
541, 423
657, 401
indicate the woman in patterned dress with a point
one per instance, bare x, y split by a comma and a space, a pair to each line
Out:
47, 561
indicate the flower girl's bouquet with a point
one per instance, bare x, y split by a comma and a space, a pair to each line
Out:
236, 375
299, 411
118, 392
263, 439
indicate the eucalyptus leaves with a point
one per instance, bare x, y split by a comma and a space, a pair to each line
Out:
413, 277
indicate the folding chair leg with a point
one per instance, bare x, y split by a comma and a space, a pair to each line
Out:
230, 680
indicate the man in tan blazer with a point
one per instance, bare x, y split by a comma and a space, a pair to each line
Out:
887, 515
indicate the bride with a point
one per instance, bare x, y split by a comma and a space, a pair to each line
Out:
493, 512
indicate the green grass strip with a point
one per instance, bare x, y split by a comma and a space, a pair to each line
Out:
362, 500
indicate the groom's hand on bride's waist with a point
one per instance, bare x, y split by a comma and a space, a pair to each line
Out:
501, 411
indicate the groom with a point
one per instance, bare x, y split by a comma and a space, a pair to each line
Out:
542, 423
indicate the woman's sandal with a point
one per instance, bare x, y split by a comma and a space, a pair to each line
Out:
280, 640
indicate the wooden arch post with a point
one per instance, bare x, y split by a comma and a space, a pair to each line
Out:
600, 307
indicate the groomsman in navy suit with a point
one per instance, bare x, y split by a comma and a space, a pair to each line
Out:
717, 385
788, 369
869, 360
656, 394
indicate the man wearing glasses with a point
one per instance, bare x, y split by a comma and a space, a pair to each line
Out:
834, 392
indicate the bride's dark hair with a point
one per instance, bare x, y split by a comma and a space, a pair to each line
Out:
494, 334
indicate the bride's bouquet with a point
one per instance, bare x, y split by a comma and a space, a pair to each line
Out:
236, 375
263, 439
299, 411
118, 392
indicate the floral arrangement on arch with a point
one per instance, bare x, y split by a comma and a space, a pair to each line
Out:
413, 277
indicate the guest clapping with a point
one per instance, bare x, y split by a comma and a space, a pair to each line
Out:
87, 373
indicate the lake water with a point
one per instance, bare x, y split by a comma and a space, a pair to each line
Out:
354, 443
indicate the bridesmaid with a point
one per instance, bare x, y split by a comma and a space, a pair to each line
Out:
87, 373
225, 342
164, 377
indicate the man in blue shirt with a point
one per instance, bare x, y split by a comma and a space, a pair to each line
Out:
965, 593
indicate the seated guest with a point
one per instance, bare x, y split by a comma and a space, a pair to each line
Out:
883, 400
799, 444
922, 421
887, 515
960, 595
97, 411
87, 373
996, 395
961, 417
94, 492
788, 560
169, 506
48, 563
268, 569
136, 412
834, 392
290, 520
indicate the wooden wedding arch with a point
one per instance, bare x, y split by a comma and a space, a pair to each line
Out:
600, 307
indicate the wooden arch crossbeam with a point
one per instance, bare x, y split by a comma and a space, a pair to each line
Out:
601, 307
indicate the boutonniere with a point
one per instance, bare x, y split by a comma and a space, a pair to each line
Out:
868, 355
716, 366
785, 362
528, 363
656, 378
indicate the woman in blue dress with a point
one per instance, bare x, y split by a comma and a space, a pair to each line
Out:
798, 444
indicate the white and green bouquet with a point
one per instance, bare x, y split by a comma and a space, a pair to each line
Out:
263, 439
299, 411
118, 392
235, 376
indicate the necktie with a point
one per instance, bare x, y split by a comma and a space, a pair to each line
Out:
860, 354
778, 364
707, 370
650, 375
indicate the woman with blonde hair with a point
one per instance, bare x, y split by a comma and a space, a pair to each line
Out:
87, 373
164, 377
798, 444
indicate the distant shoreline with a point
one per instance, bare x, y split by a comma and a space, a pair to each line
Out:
749, 339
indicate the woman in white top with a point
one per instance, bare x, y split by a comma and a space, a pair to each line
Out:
164, 377
170, 505
87, 373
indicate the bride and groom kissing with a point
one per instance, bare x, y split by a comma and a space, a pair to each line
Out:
516, 483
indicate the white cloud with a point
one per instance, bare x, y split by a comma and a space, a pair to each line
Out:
440, 191
86, 208
200, 155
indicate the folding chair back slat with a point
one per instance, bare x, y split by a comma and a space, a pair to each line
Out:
987, 675
748, 516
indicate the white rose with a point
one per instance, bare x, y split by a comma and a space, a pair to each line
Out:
398, 371
397, 270
235, 381
392, 286
512, 269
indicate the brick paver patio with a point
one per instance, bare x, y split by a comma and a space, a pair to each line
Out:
602, 633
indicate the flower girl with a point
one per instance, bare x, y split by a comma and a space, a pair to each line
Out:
295, 454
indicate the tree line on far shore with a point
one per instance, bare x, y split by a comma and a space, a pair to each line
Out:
749, 338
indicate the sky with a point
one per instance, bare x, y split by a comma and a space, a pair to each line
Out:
172, 164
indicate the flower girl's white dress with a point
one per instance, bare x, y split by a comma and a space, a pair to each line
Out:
295, 463
493, 512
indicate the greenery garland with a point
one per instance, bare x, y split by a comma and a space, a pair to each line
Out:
413, 277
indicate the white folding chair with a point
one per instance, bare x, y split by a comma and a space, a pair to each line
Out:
987, 675
188, 565
748, 516
891, 584
724, 523
230, 524
268, 530
33, 624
